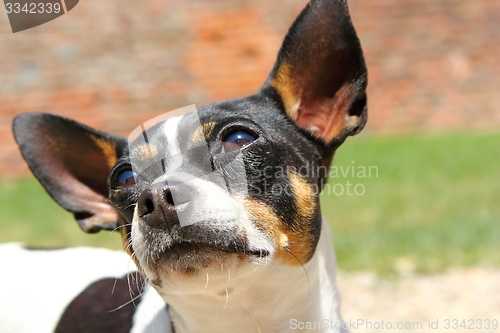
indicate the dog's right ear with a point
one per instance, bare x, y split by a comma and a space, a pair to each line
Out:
72, 161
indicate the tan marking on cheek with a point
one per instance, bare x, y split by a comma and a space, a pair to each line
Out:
203, 132
295, 246
300, 249
284, 241
145, 152
282, 82
265, 219
305, 197
301, 240
108, 148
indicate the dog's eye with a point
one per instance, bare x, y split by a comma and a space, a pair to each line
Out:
236, 140
124, 179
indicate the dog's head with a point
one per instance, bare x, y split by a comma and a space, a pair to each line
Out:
233, 184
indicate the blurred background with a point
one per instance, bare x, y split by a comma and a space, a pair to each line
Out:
433, 131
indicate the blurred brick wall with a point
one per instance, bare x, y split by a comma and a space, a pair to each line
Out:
433, 64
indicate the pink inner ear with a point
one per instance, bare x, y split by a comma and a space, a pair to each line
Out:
326, 118
101, 214
92, 209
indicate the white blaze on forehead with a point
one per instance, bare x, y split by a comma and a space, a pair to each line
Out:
173, 137
142, 135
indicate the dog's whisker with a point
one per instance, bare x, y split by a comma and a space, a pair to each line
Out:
114, 286
121, 226
227, 299
130, 292
253, 318
128, 243
132, 301
129, 283
206, 285
301, 264
141, 287
129, 206
138, 283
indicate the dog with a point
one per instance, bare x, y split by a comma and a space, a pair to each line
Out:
218, 208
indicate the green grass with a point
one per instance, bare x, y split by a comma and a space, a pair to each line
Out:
434, 204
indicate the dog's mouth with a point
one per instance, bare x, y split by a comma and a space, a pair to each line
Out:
192, 257
194, 248
182, 248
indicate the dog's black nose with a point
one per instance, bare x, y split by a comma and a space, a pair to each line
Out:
157, 205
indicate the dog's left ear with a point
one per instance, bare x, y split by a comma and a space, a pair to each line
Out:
320, 73
72, 162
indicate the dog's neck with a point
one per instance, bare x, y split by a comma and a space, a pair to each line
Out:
270, 300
